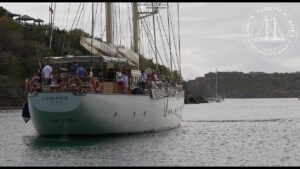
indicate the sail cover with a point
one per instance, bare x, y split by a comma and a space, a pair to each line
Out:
103, 48
71, 59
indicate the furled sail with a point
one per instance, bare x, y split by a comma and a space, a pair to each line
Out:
129, 54
102, 48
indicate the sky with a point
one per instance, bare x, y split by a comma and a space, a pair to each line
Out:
212, 36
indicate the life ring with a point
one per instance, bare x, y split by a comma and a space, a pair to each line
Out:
75, 86
97, 85
33, 86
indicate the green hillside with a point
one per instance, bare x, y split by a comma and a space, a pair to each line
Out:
246, 85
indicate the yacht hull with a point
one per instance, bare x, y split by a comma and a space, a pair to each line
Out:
68, 114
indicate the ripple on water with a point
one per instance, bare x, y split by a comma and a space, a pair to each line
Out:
233, 133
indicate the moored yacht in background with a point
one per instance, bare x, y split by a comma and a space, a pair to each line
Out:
218, 98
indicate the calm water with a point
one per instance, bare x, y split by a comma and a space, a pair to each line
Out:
236, 132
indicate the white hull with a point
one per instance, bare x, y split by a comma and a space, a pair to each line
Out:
218, 100
66, 113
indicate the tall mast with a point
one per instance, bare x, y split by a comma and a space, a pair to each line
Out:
216, 83
92, 34
274, 29
179, 41
109, 23
155, 48
50, 14
52, 23
135, 22
267, 29
169, 29
93, 23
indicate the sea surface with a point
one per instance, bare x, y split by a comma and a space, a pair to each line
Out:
235, 132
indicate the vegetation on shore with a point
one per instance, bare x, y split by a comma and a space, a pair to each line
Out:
245, 85
21, 48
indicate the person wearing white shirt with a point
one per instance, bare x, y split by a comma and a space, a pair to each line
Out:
47, 72
119, 76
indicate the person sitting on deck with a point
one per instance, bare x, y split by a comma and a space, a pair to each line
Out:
75, 69
54, 81
82, 72
158, 79
153, 78
120, 80
125, 78
34, 83
142, 81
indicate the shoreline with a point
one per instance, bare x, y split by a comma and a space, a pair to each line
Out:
10, 108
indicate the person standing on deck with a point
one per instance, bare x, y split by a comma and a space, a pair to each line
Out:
46, 73
125, 78
153, 78
142, 81
82, 72
75, 69
120, 80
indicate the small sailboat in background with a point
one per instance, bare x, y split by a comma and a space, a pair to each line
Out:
218, 98
211, 100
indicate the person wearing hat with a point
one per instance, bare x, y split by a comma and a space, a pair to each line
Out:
47, 73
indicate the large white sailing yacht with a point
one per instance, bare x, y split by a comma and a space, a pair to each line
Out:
95, 105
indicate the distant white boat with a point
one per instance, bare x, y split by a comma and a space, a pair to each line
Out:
218, 98
211, 100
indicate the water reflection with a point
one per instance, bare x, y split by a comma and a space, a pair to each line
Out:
96, 150
235, 133
39, 142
